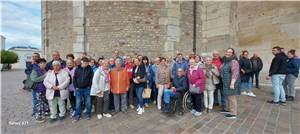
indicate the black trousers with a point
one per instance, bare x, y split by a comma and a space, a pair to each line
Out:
102, 103
131, 94
256, 75
178, 97
72, 100
197, 102
219, 88
111, 102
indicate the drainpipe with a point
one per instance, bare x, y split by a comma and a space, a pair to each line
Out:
84, 28
194, 26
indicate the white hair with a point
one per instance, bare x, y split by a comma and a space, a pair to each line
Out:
55, 63
204, 55
208, 57
216, 52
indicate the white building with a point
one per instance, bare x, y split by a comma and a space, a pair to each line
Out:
2, 42
24, 53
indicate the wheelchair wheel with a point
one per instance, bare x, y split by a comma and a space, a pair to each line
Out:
173, 105
187, 101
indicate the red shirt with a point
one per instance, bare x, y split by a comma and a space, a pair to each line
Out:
217, 62
129, 69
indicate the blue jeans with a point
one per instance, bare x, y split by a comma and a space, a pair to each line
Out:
289, 85
139, 93
83, 92
34, 100
247, 85
167, 95
277, 86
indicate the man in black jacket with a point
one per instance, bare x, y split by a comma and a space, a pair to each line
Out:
257, 66
277, 74
82, 81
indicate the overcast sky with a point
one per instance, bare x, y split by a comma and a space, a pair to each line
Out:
21, 22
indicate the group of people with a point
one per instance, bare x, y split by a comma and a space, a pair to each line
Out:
115, 83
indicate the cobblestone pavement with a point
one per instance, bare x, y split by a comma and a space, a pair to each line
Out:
255, 116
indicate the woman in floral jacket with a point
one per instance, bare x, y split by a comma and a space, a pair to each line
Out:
38, 75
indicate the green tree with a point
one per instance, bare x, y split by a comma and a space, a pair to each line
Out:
8, 57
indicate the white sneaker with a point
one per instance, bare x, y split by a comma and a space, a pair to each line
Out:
140, 111
159, 107
93, 109
193, 111
143, 110
99, 116
197, 113
251, 94
244, 93
107, 115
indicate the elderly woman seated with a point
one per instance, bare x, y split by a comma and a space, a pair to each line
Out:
176, 91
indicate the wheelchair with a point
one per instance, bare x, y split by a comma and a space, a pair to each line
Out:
187, 103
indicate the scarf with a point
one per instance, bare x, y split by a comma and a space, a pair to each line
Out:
107, 76
229, 59
208, 69
192, 69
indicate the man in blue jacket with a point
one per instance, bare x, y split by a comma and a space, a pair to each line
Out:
180, 63
293, 66
28, 82
176, 92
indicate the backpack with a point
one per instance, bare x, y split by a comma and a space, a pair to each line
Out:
28, 84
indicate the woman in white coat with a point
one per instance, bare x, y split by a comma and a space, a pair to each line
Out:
56, 83
101, 89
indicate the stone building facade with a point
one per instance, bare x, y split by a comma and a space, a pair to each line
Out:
160, 28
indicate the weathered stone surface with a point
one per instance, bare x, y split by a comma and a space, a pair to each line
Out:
147, 26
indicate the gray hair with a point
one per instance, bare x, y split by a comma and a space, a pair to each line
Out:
56, 63
208, 57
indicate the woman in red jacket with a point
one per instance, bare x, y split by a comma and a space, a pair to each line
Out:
196, 79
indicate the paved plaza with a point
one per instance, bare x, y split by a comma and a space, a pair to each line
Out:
254, 116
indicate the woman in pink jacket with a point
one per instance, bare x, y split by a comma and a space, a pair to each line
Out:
196, 79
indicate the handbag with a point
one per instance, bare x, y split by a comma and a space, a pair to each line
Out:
28, 83
194, 90
147, 93
215, 80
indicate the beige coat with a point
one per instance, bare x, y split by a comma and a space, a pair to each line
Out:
63, 80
